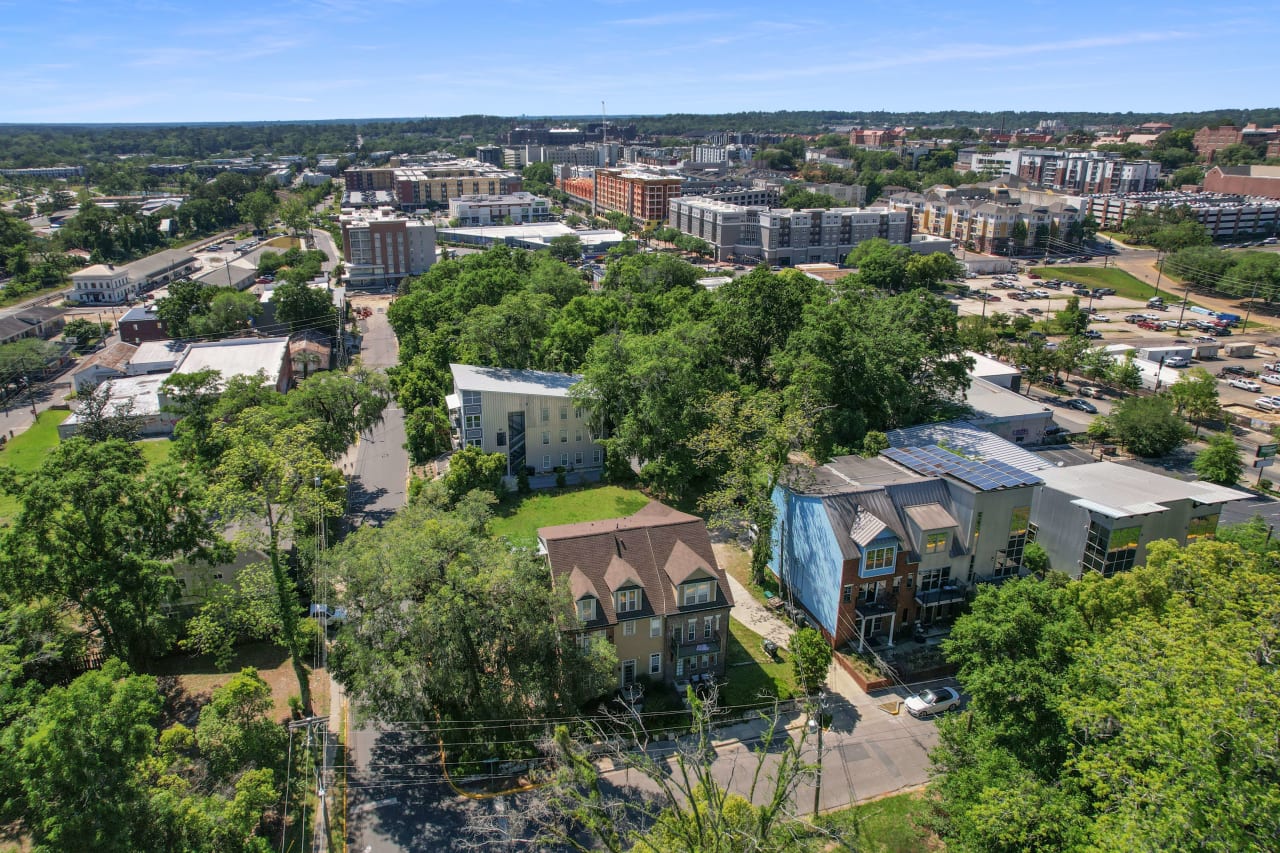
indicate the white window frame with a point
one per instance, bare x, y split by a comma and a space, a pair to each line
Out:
471, 422
937, 542
629, 628
586, 609
655, 663
546, 462
655, 627
697, 592
629, 600
874, 556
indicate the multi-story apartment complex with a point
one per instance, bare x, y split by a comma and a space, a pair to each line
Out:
1210, 140
781, 236
1224, 216
381, 248
985, 218
433, 184
1067, 171
519, 207
649, 584
526, 415
640, 195
590, 154
868, 547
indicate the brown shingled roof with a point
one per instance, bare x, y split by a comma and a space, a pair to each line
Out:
659, 546
116, 357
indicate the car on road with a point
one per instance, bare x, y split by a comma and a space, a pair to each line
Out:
1081, 405
930, 702
1245, 385
1090, 391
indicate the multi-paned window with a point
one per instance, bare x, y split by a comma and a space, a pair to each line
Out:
698, 592
564, 436
546, 437
1109, 551
867, 593
628, 600
586, 609
546, 414
564, 413
881, 558
1019, 525
471, 421
655, 626
655, 664
629, 628
932, 579
847, 597
936, 543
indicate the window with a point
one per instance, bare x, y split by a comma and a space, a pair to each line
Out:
932, 579
867, 593
1019, 528
706, 628
881, 558
501, 439
1110, 551
577, 435
628, 600
546, 463
564, 436
655, 626
546, 414
936, 543
848, 593
577, 412
564, 460
629, 628
586, 609
564, 413
577, 458
1204, 527
546, 437
473, 442
595, 457
698, 592
655, 664
471, 421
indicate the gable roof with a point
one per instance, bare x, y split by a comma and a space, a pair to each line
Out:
115, 357
658, 546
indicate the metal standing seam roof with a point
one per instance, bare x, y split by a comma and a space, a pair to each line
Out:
972, 441
505, 380
1119, 490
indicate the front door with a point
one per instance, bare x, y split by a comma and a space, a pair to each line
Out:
628, 672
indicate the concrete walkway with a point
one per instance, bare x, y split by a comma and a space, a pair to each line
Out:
757, 617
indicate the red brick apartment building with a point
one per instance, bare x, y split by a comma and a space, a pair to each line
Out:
1210, 140
640, 196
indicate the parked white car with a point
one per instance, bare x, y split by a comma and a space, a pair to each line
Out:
931, 702
1270, 378
1176, 361
1266, 404
1245, 385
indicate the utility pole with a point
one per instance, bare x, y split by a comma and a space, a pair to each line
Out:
817, 788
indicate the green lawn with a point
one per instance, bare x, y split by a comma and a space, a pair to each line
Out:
27, 450
884, 826
1124, 283
519, 518
756, 678
155, 450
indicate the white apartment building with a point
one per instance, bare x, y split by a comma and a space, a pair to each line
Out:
381, 247
107, 284
526, 415
520, 207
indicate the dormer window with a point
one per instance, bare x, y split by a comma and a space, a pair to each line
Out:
586, 609
936, 543
628, 600
699, 592
881, 558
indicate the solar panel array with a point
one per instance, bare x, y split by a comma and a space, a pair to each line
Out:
990, 474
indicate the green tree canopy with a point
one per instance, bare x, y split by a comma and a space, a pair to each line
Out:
1148, 426
1220, 462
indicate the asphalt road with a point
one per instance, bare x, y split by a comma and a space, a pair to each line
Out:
379, 465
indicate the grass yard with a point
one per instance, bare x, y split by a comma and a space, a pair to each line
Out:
1124, 283
200, 677
518, 518
737, 562
890, 825
753, 677
26, 451
155, 450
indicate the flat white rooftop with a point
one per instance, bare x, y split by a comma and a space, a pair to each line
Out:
1119, 490
505, 380
242, 357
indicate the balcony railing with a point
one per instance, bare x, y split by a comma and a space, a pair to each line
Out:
949, 593
682, 646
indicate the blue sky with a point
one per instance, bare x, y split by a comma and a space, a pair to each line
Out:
102, 61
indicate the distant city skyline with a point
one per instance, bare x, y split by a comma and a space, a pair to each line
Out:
155, 61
